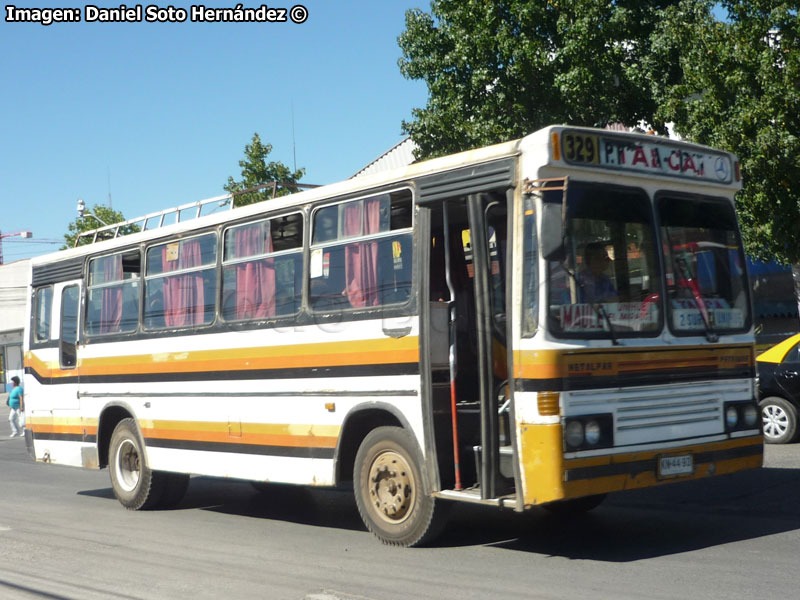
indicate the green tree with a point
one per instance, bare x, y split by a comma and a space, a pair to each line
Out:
739, 90
498, 69
94, 218
257, 171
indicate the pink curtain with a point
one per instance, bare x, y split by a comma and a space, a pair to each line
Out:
183, 294
111, 306
361, 258
255, 280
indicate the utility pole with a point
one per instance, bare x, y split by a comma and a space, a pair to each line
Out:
22, 234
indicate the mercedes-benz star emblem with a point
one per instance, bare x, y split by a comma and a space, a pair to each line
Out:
721, 169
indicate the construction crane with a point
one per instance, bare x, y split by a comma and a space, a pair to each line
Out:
22, 234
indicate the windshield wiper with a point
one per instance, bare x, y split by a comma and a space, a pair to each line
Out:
682, 266
598, 308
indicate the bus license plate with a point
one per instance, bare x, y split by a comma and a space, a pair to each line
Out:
669, 466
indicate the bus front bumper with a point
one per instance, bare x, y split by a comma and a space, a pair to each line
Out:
554, 477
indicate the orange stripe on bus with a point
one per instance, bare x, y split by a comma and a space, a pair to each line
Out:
554, 364
302, 436
47, 369
328, 354
264, 434
63, 429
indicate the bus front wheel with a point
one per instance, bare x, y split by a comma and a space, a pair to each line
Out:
135, 485
390, 489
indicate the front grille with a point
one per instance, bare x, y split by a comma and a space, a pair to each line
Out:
656, 413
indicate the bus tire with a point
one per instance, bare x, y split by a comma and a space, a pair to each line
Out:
575, 506
135, 485
391, 491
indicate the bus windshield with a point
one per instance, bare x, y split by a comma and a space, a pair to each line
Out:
705, 268
608, 283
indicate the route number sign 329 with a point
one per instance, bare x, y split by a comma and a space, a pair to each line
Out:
581, 147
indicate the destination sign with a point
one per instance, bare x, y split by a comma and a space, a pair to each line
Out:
659, 157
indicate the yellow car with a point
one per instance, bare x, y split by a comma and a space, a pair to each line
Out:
779, 390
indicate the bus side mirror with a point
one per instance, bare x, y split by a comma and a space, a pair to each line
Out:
552, 231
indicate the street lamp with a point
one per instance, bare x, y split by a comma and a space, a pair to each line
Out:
83, 211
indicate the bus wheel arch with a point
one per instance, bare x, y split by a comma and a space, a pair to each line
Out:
109, 419
357, 425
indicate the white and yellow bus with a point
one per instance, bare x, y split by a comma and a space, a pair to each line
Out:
539, 322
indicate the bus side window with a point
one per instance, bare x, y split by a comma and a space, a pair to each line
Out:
394, 269
42, 314
374, 269
69, 326
496, 241
257, 281
328, 278
438, 278
113, 303
180, 282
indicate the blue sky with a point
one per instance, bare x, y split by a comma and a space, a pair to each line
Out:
158, 114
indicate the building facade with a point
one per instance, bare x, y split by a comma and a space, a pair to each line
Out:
14, 279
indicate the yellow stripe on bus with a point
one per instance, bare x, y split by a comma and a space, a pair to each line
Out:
303, 436
295, 435
327, 354
50, 369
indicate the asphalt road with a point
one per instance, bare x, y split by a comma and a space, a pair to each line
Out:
64, 536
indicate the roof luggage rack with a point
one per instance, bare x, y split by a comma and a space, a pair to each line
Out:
178, 214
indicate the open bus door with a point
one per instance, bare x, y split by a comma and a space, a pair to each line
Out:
468, 348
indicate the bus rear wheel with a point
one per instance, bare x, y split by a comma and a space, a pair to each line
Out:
135, 485
391, 492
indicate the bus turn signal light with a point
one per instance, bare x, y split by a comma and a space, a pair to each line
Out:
548, 403
556, 147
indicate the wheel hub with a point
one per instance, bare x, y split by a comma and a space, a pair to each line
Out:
391, 487
775, 421
128, 465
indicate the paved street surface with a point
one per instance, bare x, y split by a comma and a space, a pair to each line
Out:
64, 536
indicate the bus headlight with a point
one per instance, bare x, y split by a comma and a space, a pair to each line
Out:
731, 417
740, 416
574, 434
588, 432
591, 432
750, 415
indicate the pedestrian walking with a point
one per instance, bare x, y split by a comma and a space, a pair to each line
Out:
15, 403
